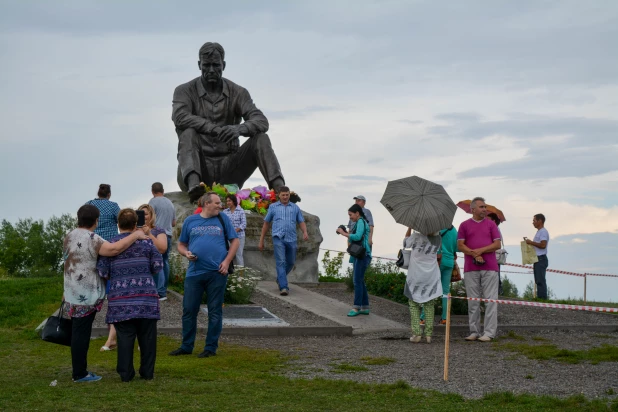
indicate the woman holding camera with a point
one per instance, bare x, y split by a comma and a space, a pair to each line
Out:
133, 302
359, 233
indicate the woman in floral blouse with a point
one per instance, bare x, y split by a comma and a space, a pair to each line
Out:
133, 302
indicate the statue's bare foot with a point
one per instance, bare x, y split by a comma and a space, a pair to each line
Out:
195, 193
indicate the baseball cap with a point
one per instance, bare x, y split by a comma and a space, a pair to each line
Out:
360, 197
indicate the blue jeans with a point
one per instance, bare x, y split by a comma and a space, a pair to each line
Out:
285, 258
213, 283
166, 264
540, 269
160, 282
361, 297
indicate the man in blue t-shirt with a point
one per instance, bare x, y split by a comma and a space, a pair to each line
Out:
203, 242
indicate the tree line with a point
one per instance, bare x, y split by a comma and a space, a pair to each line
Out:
31, 247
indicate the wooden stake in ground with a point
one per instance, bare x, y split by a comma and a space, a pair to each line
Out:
447, 336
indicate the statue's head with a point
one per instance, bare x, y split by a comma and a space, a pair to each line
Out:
211, 62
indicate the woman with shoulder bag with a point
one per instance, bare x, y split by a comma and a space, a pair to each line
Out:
358, 239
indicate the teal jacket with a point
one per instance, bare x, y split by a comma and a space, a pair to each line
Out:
449, 247
361, 230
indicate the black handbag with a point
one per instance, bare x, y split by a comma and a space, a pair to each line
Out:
356, 249
58, 329
230, 268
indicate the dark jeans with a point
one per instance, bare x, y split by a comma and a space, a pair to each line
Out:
146, 332
80, 342
213, 283
361, 297
540, 269
285, 258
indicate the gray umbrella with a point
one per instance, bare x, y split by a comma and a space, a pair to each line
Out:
420, 204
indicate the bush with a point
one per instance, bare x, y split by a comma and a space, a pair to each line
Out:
30, 248
529, 292
509, 289
332, 266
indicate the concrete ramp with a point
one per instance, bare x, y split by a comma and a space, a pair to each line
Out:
331, 309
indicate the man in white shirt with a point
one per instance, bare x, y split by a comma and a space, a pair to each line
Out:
541, 239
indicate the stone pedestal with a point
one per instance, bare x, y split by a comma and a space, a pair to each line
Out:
306, 268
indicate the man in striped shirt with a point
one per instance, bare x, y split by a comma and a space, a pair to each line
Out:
284, 216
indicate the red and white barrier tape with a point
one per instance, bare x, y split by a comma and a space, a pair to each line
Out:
540, 304
563, 272
519, 273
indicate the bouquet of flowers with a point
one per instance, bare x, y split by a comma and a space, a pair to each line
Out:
257, 199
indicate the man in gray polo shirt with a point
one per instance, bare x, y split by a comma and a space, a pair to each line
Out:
360, 200
165, 219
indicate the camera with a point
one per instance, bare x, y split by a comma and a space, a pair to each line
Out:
342, 227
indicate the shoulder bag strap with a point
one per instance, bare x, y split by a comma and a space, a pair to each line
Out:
227, 242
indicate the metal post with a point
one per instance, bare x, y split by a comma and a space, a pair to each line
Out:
585, 281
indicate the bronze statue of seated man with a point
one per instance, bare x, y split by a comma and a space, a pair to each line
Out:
207, 113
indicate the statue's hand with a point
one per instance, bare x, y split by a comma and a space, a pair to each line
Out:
230, 135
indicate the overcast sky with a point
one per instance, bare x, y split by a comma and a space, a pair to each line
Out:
513, 101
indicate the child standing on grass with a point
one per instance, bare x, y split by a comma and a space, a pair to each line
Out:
423, 284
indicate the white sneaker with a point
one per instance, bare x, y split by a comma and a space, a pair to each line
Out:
472, 337
428, 339
162, 298
484, 338
415, 339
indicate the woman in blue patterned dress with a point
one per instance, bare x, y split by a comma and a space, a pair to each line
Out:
133, 302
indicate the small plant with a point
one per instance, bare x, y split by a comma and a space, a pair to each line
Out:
368, 360
610, 391
332, 266
240, 286
529, 377
400, 384
346, 367
178, 269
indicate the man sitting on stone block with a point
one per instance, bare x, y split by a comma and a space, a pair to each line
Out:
207, 112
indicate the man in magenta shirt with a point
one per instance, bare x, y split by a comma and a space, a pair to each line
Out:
478, 238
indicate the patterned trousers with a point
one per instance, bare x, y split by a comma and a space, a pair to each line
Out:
415, 316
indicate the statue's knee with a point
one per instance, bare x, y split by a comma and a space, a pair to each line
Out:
261, 139
188, 134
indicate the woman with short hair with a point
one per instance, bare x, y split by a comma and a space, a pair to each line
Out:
239, 220
84, 290
133, 302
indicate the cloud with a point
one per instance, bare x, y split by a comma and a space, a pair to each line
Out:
589, 143
297, 113
363, 178
413, 122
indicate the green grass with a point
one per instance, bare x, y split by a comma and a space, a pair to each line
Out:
346, 368
604, 353
238, 379
381, 360
331, 279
